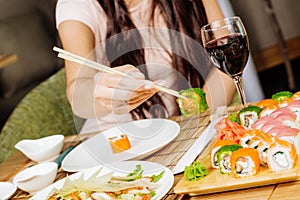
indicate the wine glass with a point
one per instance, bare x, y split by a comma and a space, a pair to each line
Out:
226, 42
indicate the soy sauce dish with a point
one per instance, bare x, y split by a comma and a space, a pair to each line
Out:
36, 177
43, 149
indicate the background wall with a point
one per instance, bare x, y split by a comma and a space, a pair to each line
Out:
258, 25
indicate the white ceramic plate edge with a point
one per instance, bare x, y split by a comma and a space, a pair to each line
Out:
166, 182
69, 163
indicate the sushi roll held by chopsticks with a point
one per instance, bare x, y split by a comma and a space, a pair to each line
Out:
245, 162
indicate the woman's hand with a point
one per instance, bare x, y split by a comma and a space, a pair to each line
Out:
119, 94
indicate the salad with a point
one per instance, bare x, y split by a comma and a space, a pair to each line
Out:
133, 186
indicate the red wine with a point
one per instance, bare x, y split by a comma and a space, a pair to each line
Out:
229, 53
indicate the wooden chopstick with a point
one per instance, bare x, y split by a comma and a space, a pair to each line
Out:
92, 64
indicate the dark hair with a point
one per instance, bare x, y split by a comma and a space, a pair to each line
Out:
186, 16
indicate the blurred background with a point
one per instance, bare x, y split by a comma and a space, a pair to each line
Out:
27, 30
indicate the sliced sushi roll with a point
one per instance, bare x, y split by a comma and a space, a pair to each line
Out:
293, 139
283, 98
214, 150
223, 156
281, 156
247, 137
255, 142
296, 96
286, 116
244, 162
294, 106
268, 106
249, 115
263, 148
194, 103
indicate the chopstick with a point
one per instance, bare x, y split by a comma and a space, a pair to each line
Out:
92, 64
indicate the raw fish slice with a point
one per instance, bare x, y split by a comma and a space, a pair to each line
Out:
282, 130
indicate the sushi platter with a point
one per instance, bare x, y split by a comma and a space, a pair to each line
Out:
217, 182
256, 146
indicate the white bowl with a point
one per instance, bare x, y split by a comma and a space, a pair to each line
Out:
6, 190
43, 149
37, 177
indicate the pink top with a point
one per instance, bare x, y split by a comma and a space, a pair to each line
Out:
157, 57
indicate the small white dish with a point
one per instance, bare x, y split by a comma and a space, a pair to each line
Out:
7, 189
43, 149
37, 177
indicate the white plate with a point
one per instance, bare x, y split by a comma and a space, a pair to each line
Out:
145, 136
120, 169
6, 190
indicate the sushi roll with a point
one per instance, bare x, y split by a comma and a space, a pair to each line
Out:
296, 96
214, 150
119, 143
247, 137
283, 98
294, 106
244, 162
194, 103
268, 106
249, 115
223, 156
266, 141
281, 156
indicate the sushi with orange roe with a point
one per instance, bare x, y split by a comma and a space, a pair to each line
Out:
281, 156
268, 106
244, 162
266, 103
283, 98
296, 96
119, 143
247, 137
214, 150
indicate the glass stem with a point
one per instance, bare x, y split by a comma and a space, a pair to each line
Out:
239, 86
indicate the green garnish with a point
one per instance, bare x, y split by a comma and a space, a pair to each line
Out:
156, 178
195, 171
279, 96
194, 103
152, 193
234, 117
136, 174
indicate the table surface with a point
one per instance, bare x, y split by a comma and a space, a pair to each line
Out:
282, 191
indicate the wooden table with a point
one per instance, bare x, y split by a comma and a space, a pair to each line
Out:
283, 191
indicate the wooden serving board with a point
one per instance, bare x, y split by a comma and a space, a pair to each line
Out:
217, 182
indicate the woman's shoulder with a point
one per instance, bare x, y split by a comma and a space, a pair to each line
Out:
88, 12
86, 5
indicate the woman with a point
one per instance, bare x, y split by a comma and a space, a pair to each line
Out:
143, 39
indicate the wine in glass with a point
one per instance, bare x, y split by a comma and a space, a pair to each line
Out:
226, 42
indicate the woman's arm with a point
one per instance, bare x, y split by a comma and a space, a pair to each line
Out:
92, 93
213, 10
77, 38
